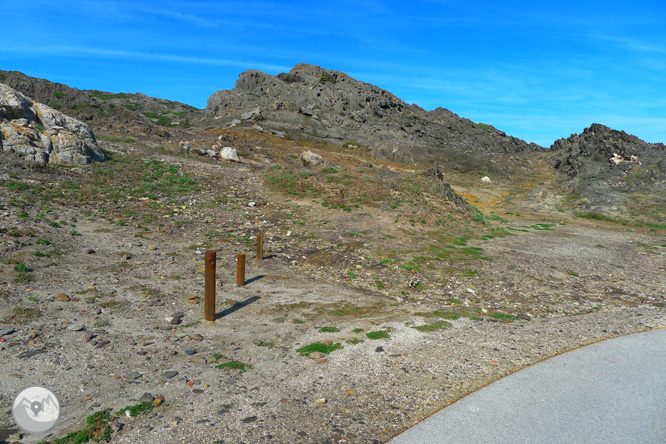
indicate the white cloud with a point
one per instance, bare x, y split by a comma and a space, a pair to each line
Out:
74, 51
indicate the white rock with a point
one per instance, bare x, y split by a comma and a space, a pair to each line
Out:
485, 179
308, 158
229, 153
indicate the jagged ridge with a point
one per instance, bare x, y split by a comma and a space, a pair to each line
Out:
314, 103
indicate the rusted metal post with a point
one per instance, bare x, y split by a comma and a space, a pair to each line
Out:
209, 295
260, 246
240, 269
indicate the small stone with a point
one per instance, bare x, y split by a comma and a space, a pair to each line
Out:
75, 327
222, 412
203, 421
90, 251
62, 297
249, 419
190, 352
158, 401
379, 350
169, 374
147, 397
471, 291
316, 355
192, 299
252, 204
133, 375
8, 331
196, 337
524, 317
197, 391
320, 401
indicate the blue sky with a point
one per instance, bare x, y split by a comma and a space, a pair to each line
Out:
537, 70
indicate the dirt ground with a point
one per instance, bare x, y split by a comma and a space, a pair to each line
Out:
411, 304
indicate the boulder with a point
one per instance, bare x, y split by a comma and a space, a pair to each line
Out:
308, 158
185, 146
229, 153
39, 134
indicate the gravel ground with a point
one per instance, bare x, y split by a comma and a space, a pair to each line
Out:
98, 329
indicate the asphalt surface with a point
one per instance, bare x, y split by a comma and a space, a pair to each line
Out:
610, 392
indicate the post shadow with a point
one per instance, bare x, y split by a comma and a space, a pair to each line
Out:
237, 306
254, 279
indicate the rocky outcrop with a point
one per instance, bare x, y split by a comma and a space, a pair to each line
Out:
40, 134
605, 166
313, 103
601, 151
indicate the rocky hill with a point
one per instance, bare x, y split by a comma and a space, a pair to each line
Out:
312, 103
116, 112
610, 168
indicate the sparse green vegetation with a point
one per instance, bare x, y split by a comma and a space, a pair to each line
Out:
327, 78
319, 347
439, 325
329, 330
380, 334
504, 317
235, 365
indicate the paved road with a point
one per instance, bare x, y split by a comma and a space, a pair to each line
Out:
610, 392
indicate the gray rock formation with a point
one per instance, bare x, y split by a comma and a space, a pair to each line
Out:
610, 168
40, 134
323, 105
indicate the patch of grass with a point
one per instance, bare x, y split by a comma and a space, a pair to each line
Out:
357, 330
43, 241
329, 330
327, 78
22, 315
136, 410
504, 317
235, 365
454, 301
380, 334
354, 341
97, 429
439, 314
439, 325
319, 347
266, 344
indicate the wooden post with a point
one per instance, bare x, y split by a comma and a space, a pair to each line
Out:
240, 269
209, 293
260, 246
